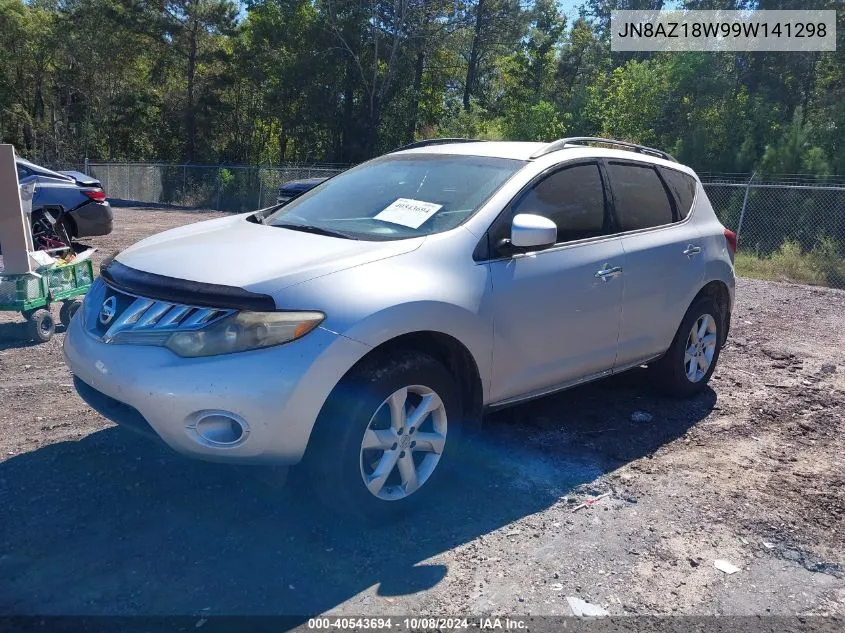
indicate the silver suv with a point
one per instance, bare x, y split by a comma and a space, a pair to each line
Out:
361, 327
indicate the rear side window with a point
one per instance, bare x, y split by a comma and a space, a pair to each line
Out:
639, 197
573, 198
682, 187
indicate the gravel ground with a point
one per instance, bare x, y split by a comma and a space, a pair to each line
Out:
98, 521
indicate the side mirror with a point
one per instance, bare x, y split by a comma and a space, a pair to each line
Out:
532, 231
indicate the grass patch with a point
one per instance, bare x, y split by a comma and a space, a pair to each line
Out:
822, 266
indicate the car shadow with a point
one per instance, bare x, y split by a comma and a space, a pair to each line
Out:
114, 524
15, 335
156, 206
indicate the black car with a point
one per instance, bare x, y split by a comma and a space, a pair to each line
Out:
295, 188
66, 205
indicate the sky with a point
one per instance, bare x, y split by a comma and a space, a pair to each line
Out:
570, 7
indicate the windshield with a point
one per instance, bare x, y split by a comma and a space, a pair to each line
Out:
398, 196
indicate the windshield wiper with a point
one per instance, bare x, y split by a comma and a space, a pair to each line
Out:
317, 230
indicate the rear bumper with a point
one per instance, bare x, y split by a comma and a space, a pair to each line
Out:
93, 218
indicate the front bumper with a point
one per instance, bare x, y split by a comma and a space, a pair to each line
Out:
277, 392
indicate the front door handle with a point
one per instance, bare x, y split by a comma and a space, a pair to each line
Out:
607, 272
692, 250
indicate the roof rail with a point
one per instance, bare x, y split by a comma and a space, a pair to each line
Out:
436, 141
584, 140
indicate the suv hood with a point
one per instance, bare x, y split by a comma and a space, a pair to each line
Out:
232, 251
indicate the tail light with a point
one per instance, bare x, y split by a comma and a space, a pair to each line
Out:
97, 195
730, 236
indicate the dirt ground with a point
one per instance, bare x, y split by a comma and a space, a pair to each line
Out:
94, 520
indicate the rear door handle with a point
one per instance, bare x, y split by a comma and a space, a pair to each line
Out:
607, 272
692, 250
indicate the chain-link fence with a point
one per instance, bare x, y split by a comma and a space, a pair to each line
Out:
767, 212
793, 225
225, 188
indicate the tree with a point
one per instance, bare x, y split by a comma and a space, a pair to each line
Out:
23, 74
433, 27
527, 96
794, 151
344, 80
527, 74
370, 37
284, 79
495, 29
600, 11
628, 102
196, 30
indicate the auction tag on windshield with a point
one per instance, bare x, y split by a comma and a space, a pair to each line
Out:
408, 212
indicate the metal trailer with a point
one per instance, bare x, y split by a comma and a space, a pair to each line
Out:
32, 294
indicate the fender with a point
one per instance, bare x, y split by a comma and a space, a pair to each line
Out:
475, 333
379, 301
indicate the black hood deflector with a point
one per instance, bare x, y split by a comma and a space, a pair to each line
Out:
192, 293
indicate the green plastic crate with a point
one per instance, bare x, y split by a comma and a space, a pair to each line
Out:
26, 292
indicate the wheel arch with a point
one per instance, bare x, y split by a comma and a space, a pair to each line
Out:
447, 350
444, 348
71, 227
719, 292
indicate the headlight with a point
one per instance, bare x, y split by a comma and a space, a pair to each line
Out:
244, 331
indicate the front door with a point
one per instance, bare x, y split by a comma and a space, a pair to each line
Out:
557, 312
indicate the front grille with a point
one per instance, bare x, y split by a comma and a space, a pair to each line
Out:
114, 316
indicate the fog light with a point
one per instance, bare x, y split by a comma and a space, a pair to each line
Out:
219, 428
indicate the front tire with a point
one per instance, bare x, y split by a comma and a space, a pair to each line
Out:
686, 368
385, 437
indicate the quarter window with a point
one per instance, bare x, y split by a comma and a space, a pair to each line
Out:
639, 197
682, 187
573, 198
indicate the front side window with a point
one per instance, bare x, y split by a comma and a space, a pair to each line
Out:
639, 197
572, 198
398, 196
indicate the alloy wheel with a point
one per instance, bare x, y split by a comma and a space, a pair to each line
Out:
403, 442
700, 348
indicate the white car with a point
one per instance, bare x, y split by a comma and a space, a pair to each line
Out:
359, 328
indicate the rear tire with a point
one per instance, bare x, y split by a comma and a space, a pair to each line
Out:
687, 366
370, 456
41, 326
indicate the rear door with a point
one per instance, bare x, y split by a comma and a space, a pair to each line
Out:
664, 265
556, 312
